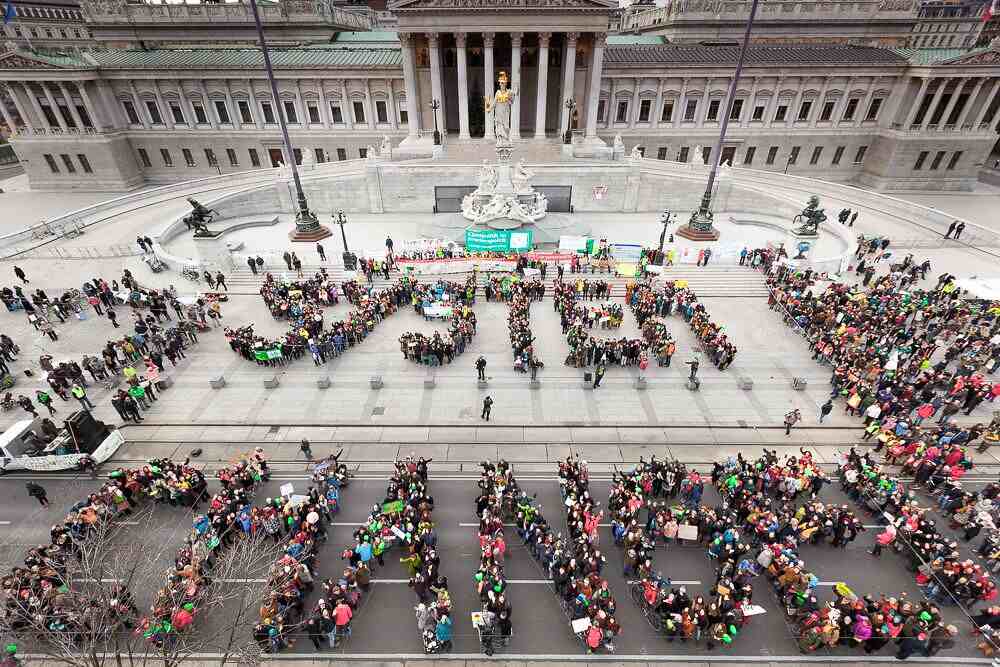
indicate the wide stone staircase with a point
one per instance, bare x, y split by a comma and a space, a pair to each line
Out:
478, 149
706, 281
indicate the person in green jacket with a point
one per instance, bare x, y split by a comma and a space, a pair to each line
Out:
43, 398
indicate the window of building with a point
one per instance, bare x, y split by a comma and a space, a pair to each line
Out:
291, 113
644, 107
312, 110
936, 162
817, 152
827, 112
336, 113
246, 115
268, 110
804, 110
51, 117
772, 155
781, 112
838, 153
167, 160
668, 112
859, 156
177, 113
359, 112
210, 158
851, 108
68, 161
320, 155
793, 157
297, 154
682, 154
661, 153
706, 154
621, 114
602, 110
66, 115
51, 161
222, 112
737, 111
873, 109
341, 154
144, 158
381, 111
404, 116
85, 163
254, 157
200, 117
748, 156
188, 157
231, 155
154, 112
955, 157
758, 112
130, 113
690, 109
81, 111
363, 153
713, 110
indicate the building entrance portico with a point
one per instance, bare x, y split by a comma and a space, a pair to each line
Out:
453, 50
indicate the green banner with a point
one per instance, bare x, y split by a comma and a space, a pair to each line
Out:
392, 508
498, 240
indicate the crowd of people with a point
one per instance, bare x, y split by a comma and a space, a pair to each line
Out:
518, 295
586, 349
428, 300
495, 504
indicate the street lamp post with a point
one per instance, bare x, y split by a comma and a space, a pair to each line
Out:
435, 105
665, 218
350, 261
699, 228
307, 227
570, 105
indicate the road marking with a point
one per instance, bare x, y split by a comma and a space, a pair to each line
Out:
242, 581
681, 582
874, 525
5, 523
828, 583
102, 581
509, 581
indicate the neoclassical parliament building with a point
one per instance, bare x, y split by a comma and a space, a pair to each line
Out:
856, 91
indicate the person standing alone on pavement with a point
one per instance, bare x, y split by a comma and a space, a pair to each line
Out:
252, 264
19, 272
598, 375
825, 409
220, 280
791, 419
487, 406
951, 229
306, 449
37, 492
481, 367
321, 252
959, 230
80, 394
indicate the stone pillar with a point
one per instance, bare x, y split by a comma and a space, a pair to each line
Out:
951, 103
597, 65
838, 111
70, 105
515, 84
59, 116
866, 102
820, 102
393, 113
436, 86
168, 117
370, 106
569, 72
33, 99
346, 108
88, 104
210, 112
234, 112
749, 104
12, 91
489, 79
634, 110
981, 116
7, 117
107, 94
410, 85
255, 113
772, 105
793, 111
324, 104
654, 118
969, 103
706, 100
542, 87
461, 39
935, 101
912, 115
681, 104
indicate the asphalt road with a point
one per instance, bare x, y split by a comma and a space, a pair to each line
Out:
385, 624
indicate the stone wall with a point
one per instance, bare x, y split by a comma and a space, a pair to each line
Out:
110, 158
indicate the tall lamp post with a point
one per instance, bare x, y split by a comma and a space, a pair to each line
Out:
570, 105
435, 105
699, 227
350, 260
666, 218
307, 227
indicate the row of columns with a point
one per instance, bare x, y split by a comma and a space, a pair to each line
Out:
935, 101
16, 89
408, 41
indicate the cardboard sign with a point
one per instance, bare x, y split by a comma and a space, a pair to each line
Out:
287, 489
723, 591
753, 610
394, 507
687, 532
580, 624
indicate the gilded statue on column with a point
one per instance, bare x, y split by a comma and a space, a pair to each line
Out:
500, 106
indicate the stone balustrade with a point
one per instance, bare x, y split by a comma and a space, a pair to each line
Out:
686, 10
288, 11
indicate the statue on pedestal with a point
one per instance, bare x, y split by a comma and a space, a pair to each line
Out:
487, 178
199, 218
520, 176
500, 107
636, 154
809, 219
698, 158
385, 148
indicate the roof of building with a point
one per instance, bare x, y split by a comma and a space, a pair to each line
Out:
297, 58
381, 36
618, 40
933, 56
757, 54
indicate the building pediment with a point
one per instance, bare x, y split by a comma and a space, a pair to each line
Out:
990, 56
21, 60
501, 5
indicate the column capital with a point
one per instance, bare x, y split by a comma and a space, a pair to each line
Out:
543, 39
600, 39
488, 38
515, 39
434, 40
461, 38
406, 39
572, 37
